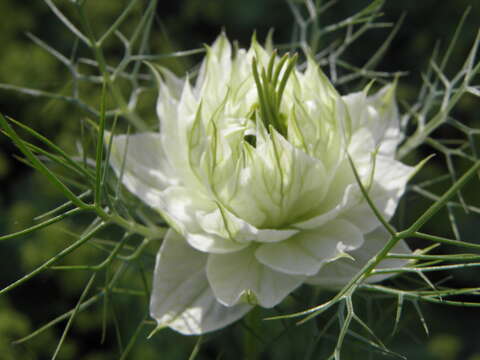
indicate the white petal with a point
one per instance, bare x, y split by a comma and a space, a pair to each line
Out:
361, 148
215, 73
181, 296
336, 274
185, 210
176, 109
390, 179
167, 78
146, 171
182, 204
240, 276
344, 201
272, 235
384, 120
223, 223
306, 252
213, 244
168, 96
291, 257
356, 104
344, 198
378, 114
316, 84
315, 115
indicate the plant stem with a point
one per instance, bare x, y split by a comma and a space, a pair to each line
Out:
252, 322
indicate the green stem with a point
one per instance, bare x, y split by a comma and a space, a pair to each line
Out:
437, 205
57, 257
102, 65
41, 225
252, 322
39, 165
99, 151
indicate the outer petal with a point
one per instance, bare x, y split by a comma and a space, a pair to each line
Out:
306, 252
389, 181
181, 296
383, 177
378, 114
146, 171
356, 105
176, 108
385, 120
239, 275
336, 274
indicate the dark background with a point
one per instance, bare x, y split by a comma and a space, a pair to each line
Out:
181, 25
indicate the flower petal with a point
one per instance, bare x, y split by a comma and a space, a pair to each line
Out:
273, 235
223, 223
215, 72
378, 114
385, 120
176, 110
146, 169
306, 252
336, 274
185, 209
343, 201
389, 181
181, 296
240, 276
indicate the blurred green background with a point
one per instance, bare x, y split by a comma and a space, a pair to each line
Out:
181, 25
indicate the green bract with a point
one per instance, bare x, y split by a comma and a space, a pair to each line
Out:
251, 170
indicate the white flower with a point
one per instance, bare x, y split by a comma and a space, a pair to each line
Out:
250, 169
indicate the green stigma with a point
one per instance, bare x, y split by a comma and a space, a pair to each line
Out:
270, 88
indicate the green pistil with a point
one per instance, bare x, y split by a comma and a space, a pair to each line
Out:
270, 88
